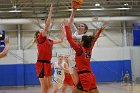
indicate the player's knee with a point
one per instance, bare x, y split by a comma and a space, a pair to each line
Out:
49, 86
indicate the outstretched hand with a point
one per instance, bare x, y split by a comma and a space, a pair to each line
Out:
103, 26
65, 23
62, 28
51, 7
63, 32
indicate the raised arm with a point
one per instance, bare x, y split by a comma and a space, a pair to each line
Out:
47, 23
69, 37
72, 25
97, 34
6, 49
72, 17
61, 36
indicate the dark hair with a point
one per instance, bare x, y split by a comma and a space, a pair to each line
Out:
36, 34
87, 41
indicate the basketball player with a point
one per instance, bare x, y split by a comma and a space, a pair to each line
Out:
77, 32
60, 68
44, 45
76, 36
68, 81
87, 81
58, 76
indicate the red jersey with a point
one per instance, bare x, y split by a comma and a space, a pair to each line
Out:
83, 55
44, 46
68, 79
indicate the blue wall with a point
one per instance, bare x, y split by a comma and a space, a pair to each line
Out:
18, 75
111, 71
24, 74
136, 37
136, 34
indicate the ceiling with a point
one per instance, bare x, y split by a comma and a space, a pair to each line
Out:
120, 14
39, 8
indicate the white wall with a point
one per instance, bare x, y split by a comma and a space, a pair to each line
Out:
98, 54
111, 37
135, 57
114, 53
107, 39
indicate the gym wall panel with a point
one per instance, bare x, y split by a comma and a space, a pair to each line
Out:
18, 75
111, 71
8, 75
30, 77
136, 37
136, 34
25, 74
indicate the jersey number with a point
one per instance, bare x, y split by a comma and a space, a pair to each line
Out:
88, 55
58, 72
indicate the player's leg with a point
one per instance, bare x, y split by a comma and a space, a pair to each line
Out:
44, 84
74, 76
71, 84
64, 87
49, 82
93, 88
48, 74
55, 88
76, 90
94, 91
72, 87
42, 78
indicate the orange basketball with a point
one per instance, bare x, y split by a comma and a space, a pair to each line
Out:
77, 3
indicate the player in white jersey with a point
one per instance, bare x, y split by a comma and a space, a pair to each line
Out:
79, 31
59, 67
68, 81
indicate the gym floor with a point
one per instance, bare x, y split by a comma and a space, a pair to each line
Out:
103, 88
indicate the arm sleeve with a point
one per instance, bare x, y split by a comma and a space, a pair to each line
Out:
96, 36
73, 44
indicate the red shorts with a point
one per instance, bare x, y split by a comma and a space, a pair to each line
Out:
86, 81
43, 69
68, 80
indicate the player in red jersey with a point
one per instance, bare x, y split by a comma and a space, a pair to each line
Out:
87, 81
68, 79
77, 33
44, 45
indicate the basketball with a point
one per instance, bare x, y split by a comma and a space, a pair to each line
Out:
76, 3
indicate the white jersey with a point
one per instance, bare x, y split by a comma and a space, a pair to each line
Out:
76, 33
59, 75
58, 71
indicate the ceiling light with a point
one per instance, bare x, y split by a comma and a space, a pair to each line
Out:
14, 6
126, 4
97, 4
